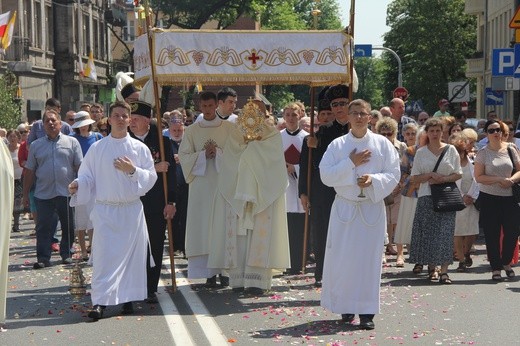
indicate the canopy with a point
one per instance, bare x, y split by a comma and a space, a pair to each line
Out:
244, 57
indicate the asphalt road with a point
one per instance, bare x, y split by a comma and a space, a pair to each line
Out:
473, 310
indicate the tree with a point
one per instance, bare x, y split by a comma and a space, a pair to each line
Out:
10, 113
432, 38
370, 72
296, 15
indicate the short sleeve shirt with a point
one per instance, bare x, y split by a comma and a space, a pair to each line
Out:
498, 164
54, 163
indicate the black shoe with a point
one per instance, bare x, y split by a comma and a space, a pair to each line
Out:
366, 322
97, 312
348, 318
255, 291
224, 281
152, 298
211, 282
238, 289
317, 283
128, 308
67, 260
41, 265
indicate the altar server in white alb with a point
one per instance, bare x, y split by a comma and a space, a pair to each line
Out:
116, 172
292, 141
363, 168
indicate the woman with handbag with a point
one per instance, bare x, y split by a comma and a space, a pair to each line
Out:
432, 231
494, 165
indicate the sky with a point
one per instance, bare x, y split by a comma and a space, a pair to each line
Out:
370, 20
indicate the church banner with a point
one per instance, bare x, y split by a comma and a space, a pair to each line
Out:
244, 57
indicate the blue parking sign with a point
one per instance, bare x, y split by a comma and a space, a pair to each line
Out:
504, 61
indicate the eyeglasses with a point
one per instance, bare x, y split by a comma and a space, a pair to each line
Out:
103, 130
339, 104
510, 130
23, 132
70, 120
357, 114
491, 131
386, 134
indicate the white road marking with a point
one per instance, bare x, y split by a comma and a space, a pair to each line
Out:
178, 329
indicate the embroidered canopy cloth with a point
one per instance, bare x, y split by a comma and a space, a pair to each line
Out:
244, 57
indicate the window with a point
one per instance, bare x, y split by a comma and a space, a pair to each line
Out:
50, 28
129, 32
37, 38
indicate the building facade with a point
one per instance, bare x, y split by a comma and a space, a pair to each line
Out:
50, 38
493, 17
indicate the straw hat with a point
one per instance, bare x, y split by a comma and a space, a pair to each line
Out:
82, 119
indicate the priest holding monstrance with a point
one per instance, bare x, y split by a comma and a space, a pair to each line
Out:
249, 228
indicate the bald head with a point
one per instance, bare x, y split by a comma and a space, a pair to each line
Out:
397, 108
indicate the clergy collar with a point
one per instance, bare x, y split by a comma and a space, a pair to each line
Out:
223, 117
342, 128
142, 138
293, 133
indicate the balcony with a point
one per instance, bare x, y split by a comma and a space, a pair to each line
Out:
18, 50
474, 67
474, 7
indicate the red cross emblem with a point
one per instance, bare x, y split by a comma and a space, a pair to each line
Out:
253, 57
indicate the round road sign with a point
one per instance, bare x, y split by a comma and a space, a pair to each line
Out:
401, 92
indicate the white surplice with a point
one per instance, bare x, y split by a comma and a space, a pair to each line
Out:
249, 235
201, 175
352, 267
120, 245
6, 213
292, 146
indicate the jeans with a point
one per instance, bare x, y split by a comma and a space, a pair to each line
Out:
46, 226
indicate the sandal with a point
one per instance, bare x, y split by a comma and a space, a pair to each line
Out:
467, 260
445, 279
510, 273
400, 262
462, 267
496, 275
417, 268
433, 274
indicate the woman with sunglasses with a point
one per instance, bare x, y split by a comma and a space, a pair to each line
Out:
103, 127
498, 210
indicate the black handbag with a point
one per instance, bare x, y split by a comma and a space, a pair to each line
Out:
446, 196
515, 187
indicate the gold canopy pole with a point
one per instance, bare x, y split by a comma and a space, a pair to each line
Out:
350, 31
157, 111
315, 13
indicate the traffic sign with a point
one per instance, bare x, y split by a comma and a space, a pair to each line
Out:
515, 21
503, 61
362, 51
516, 71
401, 93
494, 98
458, 91
414, 106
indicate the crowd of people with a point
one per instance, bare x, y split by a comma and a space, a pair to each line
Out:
365, 191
